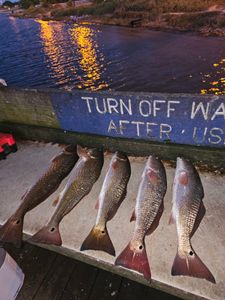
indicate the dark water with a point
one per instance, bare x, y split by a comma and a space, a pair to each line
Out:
37, 53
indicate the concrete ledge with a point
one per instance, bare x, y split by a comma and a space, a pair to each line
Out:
207, 158
21, 169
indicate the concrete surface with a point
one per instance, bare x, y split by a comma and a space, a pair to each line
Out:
21, 169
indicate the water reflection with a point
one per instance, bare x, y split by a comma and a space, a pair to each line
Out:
90, 58
215, 80
51, 33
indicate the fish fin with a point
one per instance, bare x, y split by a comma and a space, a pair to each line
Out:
155, 223
12, 231
133, 216
98, 239
47, 235
200, 216
55, 201
97, 205
192, 266
55, 159
24, 195
134, 260
183, 178
172, 219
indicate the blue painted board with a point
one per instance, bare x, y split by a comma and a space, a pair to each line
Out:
176, 118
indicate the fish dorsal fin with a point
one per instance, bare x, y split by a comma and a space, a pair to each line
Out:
183, 178
133, 216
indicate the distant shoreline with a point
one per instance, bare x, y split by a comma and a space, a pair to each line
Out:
47, 14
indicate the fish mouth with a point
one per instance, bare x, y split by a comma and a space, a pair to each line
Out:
94, 153
182, 163
69, 149
153, 163
120, 156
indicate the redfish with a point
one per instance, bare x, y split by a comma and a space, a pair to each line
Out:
187, 212
60, 167
112, 194
148, 210
80, 182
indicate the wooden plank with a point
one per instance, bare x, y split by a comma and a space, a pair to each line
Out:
41, 261
56, 279
133, 289
19, 254
81, 282
158, 295
107, 286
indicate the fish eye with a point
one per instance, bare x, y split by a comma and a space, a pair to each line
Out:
52, 229
18, 222
140, 247
191, 253
103, 231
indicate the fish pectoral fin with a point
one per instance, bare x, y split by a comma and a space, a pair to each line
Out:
155, 223
135, 260
24, 195
191, 265
133, 216
97, 205
172, 219
199, 217
55, 201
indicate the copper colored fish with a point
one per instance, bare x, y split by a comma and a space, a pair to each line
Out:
112, 194
60, 167
187, 212
80, 183
148, 210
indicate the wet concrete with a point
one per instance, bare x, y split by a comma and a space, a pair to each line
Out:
20, 171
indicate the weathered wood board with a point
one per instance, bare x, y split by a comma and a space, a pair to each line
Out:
21, 169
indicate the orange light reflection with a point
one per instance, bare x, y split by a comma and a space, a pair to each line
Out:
89, 57
215, 79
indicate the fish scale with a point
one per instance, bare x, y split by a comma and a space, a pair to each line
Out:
187, 212
112, 194
59, 168
80, 182
147, 213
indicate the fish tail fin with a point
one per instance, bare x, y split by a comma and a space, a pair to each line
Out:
47, 235
191, 265
98, 239
136, 260
12, 231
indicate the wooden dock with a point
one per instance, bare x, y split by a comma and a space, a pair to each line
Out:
51, 276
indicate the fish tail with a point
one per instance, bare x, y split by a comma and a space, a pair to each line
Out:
191, 265
47, 235
12, 231
136, 260
98, 239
